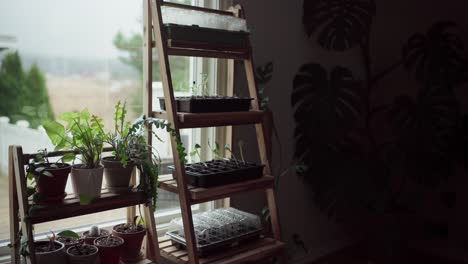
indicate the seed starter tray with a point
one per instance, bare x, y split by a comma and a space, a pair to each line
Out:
221, 228
209, 104
220, 172
216, 37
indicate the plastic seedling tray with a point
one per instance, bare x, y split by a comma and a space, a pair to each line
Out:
216, 37
221, 172
221, 228
209, 104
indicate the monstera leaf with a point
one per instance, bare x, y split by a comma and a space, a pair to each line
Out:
340, 24
426, 129
326, 109
437, 56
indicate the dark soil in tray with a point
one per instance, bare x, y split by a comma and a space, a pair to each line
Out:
128, 228
221, 172
82, 250
44, 246
209, 104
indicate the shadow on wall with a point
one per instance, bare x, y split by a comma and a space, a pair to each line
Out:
361, 156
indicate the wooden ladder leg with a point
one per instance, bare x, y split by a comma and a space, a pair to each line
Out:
152, 244
184, 195
14, 220
23, 205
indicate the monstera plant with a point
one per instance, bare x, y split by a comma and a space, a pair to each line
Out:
349, 164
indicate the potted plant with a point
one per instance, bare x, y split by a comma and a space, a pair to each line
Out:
69, 238
132, 234
118, 168
82, 134
50, 251
48, 178
202, 102
93, 233
82, 254
110, 248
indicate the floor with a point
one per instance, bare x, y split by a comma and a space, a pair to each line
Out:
358, 255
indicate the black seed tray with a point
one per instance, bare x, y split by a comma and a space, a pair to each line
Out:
209, 104
221, 172
178, 240
218, 37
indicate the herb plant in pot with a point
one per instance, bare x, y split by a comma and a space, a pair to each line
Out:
82, 254
132, 234
82, 134
118, 168
110, 249
48, 178
93, 233
50, 251
69, 238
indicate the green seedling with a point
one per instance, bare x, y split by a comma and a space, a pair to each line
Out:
227, 147
216, 151
196, 152
240, 144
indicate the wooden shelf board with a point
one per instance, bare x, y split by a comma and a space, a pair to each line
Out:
194, 120
200, 195
246, 252
197, 49
71, 207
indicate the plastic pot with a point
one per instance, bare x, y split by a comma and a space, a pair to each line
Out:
52, 189
56, 256
109, 254
87, 183
89, 258
117, 176
90, 239
131, 250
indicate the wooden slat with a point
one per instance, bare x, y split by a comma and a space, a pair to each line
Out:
71, 207
245, 253
243, 48
200, 195
28, 156
14, 220
194, 120
197, 8
207, 53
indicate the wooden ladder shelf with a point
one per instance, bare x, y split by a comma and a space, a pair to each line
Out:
24, 214
155, 37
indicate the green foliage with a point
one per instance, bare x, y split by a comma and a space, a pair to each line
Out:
82, 133
23, 95
68, 233
263, 75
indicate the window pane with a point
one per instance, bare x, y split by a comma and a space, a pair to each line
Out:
65, 55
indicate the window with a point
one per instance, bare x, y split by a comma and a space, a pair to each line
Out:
60, 56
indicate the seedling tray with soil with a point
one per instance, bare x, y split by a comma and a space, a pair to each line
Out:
203, 35
218, 229
209, 104
221, 172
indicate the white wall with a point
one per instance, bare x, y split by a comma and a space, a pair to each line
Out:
20, 134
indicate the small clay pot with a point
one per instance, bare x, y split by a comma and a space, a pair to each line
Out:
56, 256
117, 176
91, 253
69, 242
109, 253
131, 251
90, 239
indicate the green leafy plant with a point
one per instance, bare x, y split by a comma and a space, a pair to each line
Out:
196, 152
82, 134
215, 150
202, 87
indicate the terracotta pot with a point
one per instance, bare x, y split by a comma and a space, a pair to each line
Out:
82, 259
69, 242
131, 251
90, 240
87, 183
52, 189
117, 177
109, 254
53, 257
